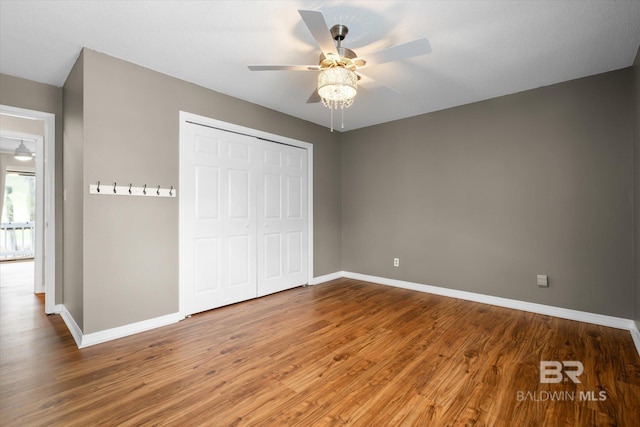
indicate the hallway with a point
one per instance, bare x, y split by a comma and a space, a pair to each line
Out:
24, 330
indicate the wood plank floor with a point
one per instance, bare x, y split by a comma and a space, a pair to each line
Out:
345, 352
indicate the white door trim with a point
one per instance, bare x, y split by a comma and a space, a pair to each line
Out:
47, 165
195, 118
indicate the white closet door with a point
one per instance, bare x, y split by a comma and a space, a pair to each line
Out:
219, 228
282, 218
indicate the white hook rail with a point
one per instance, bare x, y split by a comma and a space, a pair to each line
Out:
129, 190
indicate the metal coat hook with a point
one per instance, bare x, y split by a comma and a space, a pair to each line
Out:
131, 190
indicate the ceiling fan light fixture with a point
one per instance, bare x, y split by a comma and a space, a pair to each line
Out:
337, 87
337, 79
22, 153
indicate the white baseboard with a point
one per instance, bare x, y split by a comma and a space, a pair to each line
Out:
635, 334
564, 313
327, 277
73, 327
94, 338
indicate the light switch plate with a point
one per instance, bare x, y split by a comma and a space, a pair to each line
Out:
543, 281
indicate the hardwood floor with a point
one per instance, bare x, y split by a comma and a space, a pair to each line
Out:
345, 352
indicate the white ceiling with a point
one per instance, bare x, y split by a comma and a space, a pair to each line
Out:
480, 49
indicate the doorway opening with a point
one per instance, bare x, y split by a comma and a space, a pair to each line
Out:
21, 201
28, 225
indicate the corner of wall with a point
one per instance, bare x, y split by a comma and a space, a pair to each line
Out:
72, 325
341, 138
72, 183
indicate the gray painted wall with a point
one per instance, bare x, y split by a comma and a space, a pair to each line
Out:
17, 92
131, 134
485, 196
19, 124
636, 169
74, 164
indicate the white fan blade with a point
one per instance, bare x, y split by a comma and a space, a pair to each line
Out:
320, 31
397, 52
368, 83
284, 67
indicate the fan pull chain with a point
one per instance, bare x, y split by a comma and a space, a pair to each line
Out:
342, 111
331, 119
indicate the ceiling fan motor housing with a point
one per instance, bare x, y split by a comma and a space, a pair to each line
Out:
345, 60
339, 32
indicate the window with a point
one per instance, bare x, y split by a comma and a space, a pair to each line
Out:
17, 233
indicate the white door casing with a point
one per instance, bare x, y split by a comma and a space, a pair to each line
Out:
244, 214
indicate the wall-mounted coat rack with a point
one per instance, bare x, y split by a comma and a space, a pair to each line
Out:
129, 190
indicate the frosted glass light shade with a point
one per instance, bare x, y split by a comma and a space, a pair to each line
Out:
337, 87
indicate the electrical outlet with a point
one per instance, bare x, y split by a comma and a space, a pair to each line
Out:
396, 262
543, 281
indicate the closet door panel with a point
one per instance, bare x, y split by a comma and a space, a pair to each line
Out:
273, 255
207, 192
220, 262
239, 261
282, 218
294, 197
244, 218
272, 196
207, 265
239, 194
294, 252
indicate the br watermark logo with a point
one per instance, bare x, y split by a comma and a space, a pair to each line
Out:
554, 372
551, 371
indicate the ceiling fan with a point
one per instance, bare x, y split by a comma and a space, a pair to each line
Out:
338, 66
